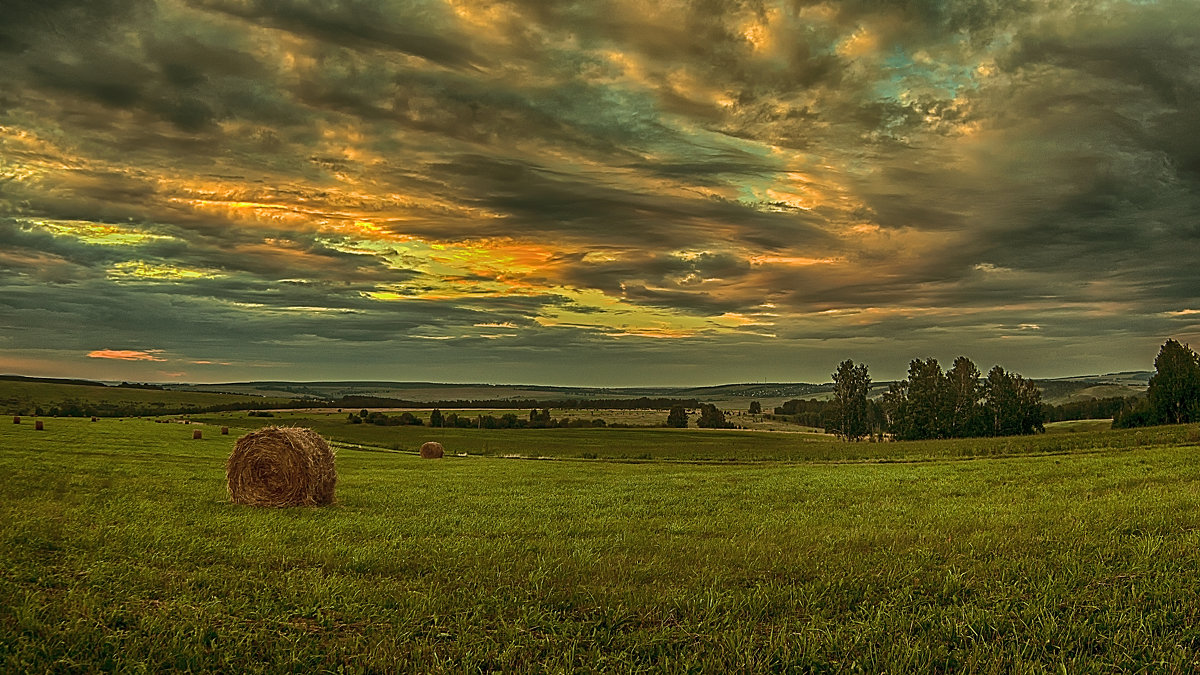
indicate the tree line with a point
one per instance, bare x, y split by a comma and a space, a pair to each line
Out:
537, 419
641, 403
819, 413
930, 403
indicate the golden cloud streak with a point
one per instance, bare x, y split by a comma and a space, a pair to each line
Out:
127, 354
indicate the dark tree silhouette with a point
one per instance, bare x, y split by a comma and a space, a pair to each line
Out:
712, 417
1174, 392
678, 417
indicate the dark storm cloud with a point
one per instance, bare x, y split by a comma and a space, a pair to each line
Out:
566, 205
360, 24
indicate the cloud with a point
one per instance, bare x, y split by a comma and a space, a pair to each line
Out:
127, 354
290, 181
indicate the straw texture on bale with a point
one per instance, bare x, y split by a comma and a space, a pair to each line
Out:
196, 435
38, 426
432, 450
281, 466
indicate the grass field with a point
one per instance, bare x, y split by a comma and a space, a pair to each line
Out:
17, 397
119, 551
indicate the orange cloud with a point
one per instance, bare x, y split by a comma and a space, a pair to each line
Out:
127, 354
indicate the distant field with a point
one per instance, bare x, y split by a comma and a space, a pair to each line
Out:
119, 551
634, 417
709, 445
727, 397
24, 398
732, 396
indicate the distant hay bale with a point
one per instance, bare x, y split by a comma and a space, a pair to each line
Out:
95, 419
196, 435
281, 466
38, 426
432, 450
224, 431
16, 419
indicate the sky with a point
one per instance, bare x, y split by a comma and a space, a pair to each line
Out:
624, 192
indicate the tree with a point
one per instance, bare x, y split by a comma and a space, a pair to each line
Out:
755, 408
1029, 403
711, 417
435, 418
926, 400
677, 417
963, 414
850, 386
1013, 404
1174, 392
895, 409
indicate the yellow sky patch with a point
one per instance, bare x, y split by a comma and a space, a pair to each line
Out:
142, 270
95, 233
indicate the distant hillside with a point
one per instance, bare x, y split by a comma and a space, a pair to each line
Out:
730, 396
19, 394
1080, 388
84, 398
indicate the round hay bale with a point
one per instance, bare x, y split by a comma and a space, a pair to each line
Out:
281, 466
196, 435
224, 431
38, 426
16, 420
432, 450
95, 419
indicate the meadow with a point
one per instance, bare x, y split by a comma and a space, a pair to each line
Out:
25, 397
120, 551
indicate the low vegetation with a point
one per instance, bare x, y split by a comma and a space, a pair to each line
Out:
119, 550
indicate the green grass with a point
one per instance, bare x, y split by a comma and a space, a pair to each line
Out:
119, 551
23, 398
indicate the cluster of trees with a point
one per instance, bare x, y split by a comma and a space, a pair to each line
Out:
957, 403
1091, 409
1173, 396
820, 414
537, 419
808, 412
384, 420
142, 385
711, 417
641, 403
